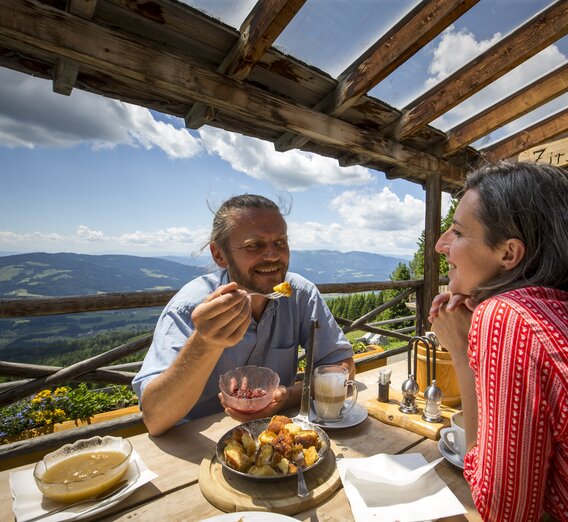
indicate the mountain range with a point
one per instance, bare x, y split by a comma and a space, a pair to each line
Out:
42, 274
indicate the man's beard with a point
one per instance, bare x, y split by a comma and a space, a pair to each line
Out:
245, 280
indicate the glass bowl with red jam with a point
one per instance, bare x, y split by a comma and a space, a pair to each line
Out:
248, 389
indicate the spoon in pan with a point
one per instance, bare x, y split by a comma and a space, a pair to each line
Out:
305, 403
302, 486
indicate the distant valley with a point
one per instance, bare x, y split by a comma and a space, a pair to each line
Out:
64, 339
54, 275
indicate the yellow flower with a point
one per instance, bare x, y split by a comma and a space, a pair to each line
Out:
62, 390
44, 394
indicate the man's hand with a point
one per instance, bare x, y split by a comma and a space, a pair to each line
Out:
223, 317
280, 401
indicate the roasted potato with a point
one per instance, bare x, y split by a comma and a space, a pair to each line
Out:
311, 455
237, 459
262, 471
280, 449
278, 422
264, 455
306, 438
266, 437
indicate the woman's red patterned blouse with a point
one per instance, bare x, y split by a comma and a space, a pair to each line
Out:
518, 348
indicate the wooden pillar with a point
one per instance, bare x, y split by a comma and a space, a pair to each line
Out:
432, 233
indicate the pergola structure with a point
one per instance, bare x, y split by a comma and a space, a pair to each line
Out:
167, 56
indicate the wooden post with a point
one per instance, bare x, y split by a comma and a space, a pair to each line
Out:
432, 233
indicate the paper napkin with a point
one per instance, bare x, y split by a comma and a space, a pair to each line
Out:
28, 501
393, 488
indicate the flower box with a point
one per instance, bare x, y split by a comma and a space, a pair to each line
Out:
361, 358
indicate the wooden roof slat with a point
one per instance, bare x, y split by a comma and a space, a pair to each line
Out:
262, 26
418, 27
83, 8
258, 32
117, 55
543, 29
542, 131
519, 103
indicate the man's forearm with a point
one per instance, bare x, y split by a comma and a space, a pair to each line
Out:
171, 395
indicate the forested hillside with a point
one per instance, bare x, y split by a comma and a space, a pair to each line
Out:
40, 274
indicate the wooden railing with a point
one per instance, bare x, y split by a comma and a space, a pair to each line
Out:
34, 378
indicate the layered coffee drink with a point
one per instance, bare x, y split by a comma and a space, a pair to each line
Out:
331, 384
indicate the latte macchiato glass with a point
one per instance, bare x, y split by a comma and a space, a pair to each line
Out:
331, 386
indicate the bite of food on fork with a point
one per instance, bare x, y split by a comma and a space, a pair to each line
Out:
280, 290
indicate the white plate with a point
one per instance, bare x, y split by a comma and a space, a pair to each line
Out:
249, 516
355, 416
449, 455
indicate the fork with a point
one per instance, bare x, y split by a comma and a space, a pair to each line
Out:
273, 295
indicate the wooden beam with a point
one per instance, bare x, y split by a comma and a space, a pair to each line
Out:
418, 27
553, 153
258, 32
528, 98
542, 131
66, 71
118, 55
83, 8
543, 29
431, 235
64, 76
200, 114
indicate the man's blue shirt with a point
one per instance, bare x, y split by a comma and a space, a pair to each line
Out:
273, 341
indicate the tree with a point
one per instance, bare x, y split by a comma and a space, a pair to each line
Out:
400, 273
417, 263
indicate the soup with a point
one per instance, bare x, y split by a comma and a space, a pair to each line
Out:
82, 476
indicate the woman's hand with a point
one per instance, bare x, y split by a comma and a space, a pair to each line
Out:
452, 327
279, 402
451, 302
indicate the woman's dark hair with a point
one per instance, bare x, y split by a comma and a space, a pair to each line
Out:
526, 201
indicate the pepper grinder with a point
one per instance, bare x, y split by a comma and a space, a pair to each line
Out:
433, 394
410, 386
384, 382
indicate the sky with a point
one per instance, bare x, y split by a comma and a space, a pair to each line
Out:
88, 174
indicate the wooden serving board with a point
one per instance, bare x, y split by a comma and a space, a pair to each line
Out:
389, 413
229, 492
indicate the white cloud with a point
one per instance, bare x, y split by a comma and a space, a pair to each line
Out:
83, 232
31, 115
459, 47
379, 211
293, 170
378, 222
87, 240
456, 48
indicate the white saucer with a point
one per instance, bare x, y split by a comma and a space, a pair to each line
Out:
453, 458
355, 416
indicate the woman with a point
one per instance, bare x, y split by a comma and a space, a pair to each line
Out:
505, 323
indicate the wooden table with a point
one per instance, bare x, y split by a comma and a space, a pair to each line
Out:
177, 455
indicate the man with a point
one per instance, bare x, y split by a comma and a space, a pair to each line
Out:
214, 324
